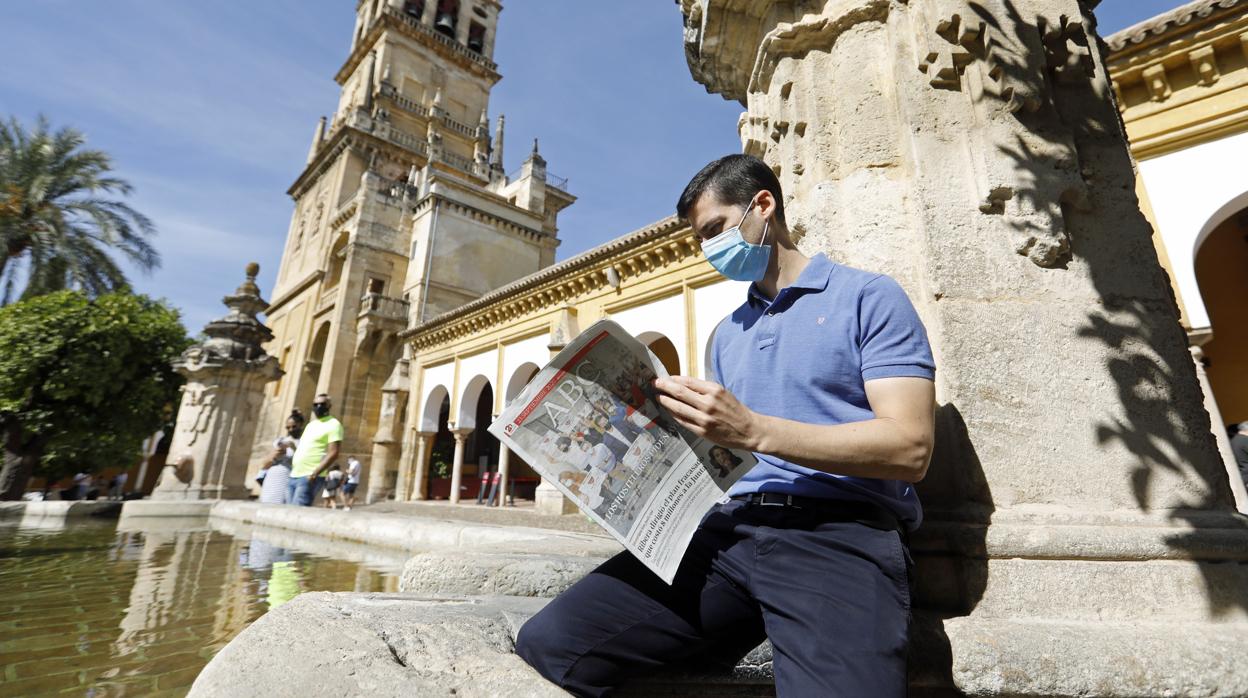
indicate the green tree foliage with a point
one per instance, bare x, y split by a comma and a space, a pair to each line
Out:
82, 381
58, 214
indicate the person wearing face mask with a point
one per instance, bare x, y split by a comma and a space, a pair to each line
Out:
318, 449
825, 373
276, 481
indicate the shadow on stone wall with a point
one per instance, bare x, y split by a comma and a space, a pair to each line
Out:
950, 552
1162, 421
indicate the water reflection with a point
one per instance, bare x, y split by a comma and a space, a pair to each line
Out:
101, 611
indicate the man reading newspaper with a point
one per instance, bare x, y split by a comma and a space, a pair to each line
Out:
825, 373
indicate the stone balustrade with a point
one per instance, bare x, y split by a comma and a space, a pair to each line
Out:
384, 307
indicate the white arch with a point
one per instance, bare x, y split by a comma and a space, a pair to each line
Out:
711, 304
648, 338
468, 402
1230, 208
519, 378
665, 316
1188, 190
432, 408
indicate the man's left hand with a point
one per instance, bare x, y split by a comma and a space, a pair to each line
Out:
710, 411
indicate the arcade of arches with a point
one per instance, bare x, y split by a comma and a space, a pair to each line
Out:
652, 282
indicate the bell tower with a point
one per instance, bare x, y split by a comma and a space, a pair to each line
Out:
403, 210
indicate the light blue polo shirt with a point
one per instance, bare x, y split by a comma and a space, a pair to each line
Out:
806, 355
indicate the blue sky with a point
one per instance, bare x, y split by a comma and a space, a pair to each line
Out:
208, 110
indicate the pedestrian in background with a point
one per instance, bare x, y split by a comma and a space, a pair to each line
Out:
332, 482
354, 470
276, 471
318, 449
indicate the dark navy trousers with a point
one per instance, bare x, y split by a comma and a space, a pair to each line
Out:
832, 596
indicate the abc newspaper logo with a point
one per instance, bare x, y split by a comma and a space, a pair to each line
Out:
509, 429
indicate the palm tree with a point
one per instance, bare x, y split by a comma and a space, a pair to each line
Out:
57, 212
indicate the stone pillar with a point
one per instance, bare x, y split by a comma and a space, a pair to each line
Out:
225, 378
463, 22
565, 327
420, 470
973, 152
549, 500
504, 472
385, 442
457, 468
1219, 432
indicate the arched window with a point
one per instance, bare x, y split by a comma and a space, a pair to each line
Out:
337, 257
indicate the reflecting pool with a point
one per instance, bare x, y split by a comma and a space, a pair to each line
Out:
100, 610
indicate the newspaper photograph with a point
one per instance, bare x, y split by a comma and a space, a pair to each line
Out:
591, 424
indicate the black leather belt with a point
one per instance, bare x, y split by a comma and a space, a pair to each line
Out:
865, 513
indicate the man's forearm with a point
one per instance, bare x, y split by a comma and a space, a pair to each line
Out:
331, 455
875, 448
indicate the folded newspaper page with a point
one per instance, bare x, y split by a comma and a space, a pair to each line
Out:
591, 424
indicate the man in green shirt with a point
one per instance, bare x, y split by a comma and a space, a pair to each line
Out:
317, 450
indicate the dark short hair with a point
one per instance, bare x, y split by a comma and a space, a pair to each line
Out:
733, 179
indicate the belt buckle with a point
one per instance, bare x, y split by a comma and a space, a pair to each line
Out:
762, 501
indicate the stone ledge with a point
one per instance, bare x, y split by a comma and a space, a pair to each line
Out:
378, 645
417, 534
398, 644
147, 508
509, 574
1045, 658
60, 509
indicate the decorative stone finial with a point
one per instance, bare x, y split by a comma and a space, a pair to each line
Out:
249, 287
238, 335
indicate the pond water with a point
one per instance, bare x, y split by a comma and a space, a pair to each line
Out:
99, 609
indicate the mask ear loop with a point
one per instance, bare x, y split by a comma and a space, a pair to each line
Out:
766, 224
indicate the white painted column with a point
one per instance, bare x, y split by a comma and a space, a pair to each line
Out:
457, 470
504, 472
420, 468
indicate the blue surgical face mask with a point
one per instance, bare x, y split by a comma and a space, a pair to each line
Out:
735, 258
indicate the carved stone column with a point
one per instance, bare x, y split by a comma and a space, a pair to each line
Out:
225, 379
378, 480
972, 150
457, 468
547, 498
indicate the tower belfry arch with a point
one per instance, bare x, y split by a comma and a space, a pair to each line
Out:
404, 209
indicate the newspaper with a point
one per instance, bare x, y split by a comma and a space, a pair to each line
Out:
590, 423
